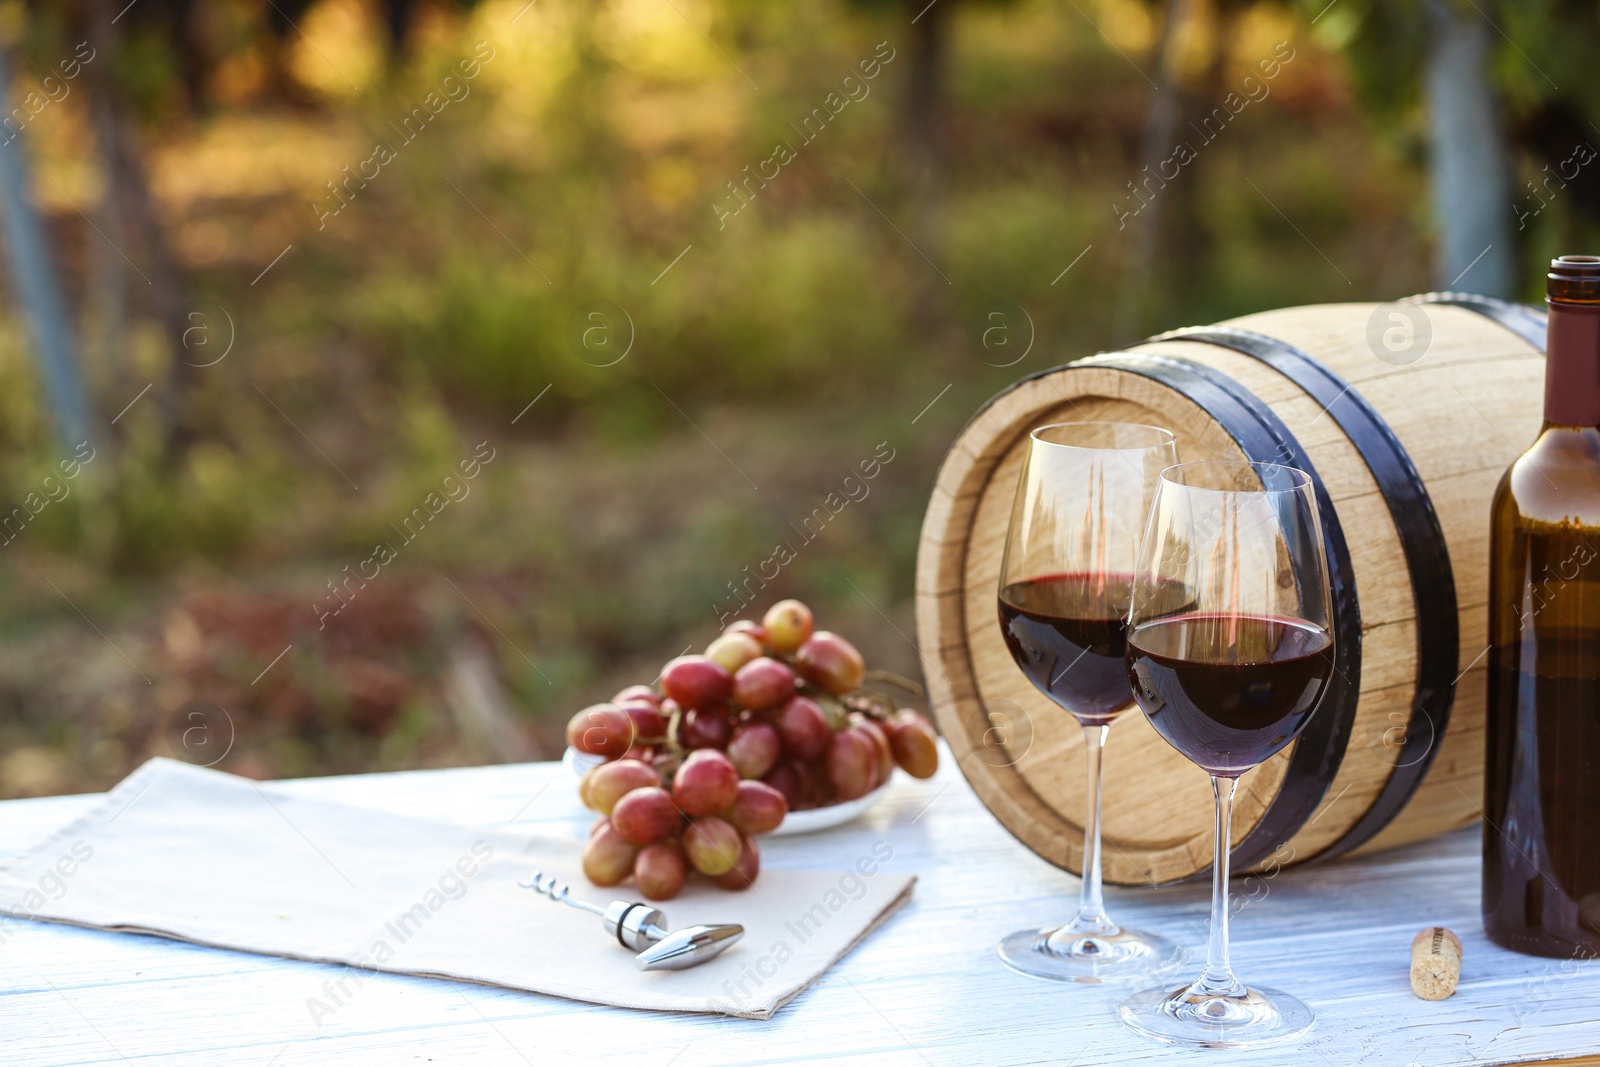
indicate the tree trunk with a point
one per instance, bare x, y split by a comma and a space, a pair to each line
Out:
124, 165
108, 297
1189, 243
927, 148
1469, 163
1161, 122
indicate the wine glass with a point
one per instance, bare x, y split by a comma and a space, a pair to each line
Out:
1065, 588
1230, 650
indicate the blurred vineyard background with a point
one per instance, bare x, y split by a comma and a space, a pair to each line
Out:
278, 340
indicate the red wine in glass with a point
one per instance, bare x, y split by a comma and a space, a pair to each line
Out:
1229, 674
1229, 691
1065, 590
1069, 634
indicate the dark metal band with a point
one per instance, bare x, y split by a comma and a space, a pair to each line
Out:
1525, 321
1263, 438
622, 925
1421, 541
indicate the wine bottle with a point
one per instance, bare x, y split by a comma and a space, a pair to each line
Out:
1541, 834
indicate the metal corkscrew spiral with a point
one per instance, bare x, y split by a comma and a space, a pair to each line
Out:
551, 886
643, 928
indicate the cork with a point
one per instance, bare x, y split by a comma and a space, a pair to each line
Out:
1435, 963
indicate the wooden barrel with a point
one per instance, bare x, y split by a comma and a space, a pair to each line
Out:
1405, 415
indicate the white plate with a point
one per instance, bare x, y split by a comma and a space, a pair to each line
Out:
796, 822
805, 822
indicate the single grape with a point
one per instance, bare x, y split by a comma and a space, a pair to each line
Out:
733, 651
788, 625
915, 744
744, 872
852, 763
831, 662
880, 745
610, 782
704, 729
763, 683
706, 783
804, 728
712, 845
648, 722
697, 682
608, 857
757, 809
745, 626
637, 694
755, 748
660, 870
601, 730
786, 780
646, 816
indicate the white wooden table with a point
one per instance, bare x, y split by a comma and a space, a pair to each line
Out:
925, 991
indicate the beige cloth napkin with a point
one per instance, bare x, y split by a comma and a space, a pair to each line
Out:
208, 857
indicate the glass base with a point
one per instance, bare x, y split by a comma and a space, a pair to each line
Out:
1247, 1018
1062, 954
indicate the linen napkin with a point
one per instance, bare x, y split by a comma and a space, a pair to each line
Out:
208, 857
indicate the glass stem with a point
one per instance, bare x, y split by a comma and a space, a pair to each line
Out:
1091, 917
1218, 978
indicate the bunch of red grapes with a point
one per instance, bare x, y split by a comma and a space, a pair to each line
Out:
771, 719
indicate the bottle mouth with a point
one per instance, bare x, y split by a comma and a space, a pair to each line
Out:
1574, 279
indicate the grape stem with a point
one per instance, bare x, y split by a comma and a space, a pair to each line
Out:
869, 702
899, 681
674, 722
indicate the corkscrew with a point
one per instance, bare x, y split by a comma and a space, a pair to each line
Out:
643, 929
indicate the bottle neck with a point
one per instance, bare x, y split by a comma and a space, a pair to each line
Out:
1572, 367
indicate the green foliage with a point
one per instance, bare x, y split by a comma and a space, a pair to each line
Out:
1542, 49
1553, 55
1386, 42
780, 305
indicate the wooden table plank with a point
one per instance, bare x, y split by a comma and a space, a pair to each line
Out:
926, 990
